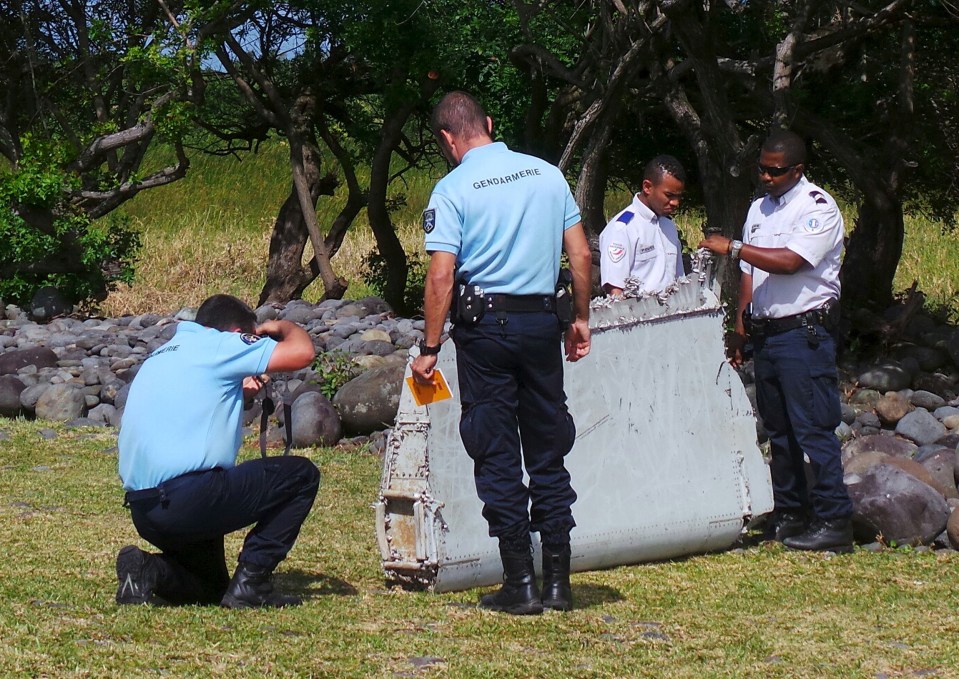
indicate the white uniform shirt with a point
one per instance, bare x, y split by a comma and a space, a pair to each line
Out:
636, 243
807, 221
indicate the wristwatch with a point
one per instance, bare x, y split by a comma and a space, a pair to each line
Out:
735, 247
427, 350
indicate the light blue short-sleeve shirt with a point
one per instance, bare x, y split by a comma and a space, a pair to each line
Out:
503, 215
184, 411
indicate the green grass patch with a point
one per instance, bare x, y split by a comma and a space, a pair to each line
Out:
759, 612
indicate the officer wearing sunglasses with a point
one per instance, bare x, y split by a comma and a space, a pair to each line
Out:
789, 259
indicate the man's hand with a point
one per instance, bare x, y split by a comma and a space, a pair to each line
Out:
734, 348
577, 340
252, 386
717, 243
424, 368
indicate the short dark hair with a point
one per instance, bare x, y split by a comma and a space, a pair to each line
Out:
461, 115
662, 165
226, 312
788, 143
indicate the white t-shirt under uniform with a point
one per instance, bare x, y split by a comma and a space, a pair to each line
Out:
638, 244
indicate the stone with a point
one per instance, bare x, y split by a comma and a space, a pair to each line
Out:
953, 346
920, 472
865, 397
61, 402
951, 422
369, 402
928, 358
32, 394
952, 529
41, 357
105, 413
941, 466
888, 377
314, 421
868, 419
863, 462
889, 445
11, 387
892, 407
927, 400
894, 504
937, 383
47, 303
848, 413
921, 427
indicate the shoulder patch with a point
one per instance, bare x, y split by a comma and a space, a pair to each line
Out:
616, 252
249, 338
429, 220
819, 197
626, 217
813, 224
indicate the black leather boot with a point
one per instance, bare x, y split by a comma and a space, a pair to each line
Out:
784, 524
252, 587
136, 576
557, 593
824, 536
519, 594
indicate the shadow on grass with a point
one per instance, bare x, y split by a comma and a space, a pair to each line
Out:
587, 595
310, 585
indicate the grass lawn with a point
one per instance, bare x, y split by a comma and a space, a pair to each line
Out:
758, 612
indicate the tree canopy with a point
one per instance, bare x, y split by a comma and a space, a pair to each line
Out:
596, 87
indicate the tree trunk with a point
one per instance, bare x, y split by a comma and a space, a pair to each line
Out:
286, 277
873, 252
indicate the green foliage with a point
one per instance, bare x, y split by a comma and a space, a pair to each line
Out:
335, 369
44, 240
375, 276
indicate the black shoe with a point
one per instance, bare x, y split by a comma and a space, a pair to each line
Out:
252, 587
136, 576
557, 593
519, 594
784, 524
824, 536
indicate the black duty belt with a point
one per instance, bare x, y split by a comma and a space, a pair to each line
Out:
520, 303
161, 490
773, 326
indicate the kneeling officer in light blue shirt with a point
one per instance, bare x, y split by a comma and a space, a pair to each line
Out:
179, 439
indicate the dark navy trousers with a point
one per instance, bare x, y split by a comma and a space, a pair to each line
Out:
189, 516
797, 392
511, 391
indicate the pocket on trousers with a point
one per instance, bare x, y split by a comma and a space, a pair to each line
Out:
826, 409
566, 430
470, 426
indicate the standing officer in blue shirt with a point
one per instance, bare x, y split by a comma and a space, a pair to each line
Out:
495, 228
789, 257
178, 444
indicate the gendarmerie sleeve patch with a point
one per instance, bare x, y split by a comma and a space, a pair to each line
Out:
429, 220
616, 252
249, 338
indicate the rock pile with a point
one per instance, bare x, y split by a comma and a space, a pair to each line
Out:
79, 371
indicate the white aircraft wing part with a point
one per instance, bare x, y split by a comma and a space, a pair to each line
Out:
665, 461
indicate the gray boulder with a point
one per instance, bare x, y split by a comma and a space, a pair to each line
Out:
953, 346
61, 402
921, 426
890, 502
10, 389
41, 357
315, 421
887, 377
369, 402
927, 400
106, 414
30, 396
47, 303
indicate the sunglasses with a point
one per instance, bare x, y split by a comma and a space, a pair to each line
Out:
773, 171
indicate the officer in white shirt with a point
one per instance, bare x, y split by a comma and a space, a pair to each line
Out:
789, 258
641, 241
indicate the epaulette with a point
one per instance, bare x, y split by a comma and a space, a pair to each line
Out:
626, 217
819, 197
